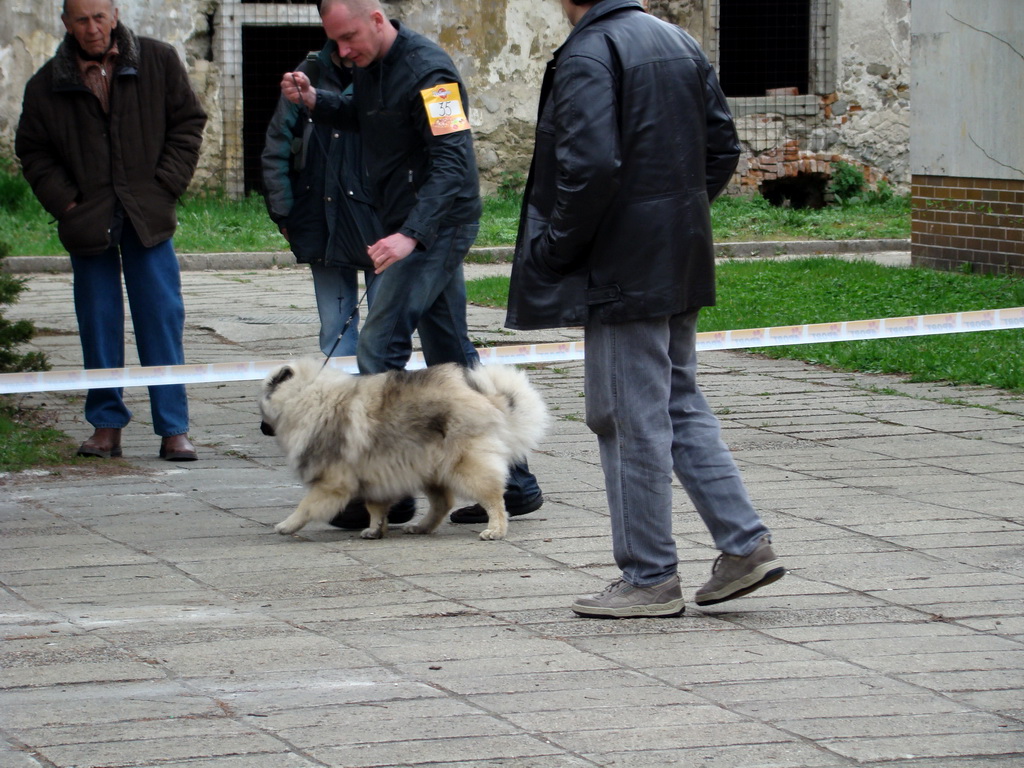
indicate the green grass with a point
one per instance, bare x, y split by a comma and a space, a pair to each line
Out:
488, 291
757, 293
741, 219
500, 220
25, 227
215, 224
26, 441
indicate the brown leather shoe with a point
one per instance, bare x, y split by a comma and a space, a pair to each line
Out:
177, 448
105, 443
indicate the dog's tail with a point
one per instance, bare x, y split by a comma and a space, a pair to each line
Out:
510, 390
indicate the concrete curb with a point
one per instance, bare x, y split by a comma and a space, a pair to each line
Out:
499, 254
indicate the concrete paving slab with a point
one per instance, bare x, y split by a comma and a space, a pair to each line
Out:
791, 754
151, 617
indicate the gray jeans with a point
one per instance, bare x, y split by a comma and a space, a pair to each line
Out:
650, 418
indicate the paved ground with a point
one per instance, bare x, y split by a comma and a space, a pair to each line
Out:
151, 617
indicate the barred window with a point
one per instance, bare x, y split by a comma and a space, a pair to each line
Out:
256, 43
774, 55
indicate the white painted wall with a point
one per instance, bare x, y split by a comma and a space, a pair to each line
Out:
968, 82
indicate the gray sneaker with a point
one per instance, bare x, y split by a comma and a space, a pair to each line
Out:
733, 576
621, 600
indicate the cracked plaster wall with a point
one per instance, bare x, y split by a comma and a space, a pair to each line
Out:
969, 73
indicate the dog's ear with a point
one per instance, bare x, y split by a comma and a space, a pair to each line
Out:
283, 374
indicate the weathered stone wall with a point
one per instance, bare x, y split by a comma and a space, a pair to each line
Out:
501, 47
688, 14
862, 116
31, 31
28, 37
870, 118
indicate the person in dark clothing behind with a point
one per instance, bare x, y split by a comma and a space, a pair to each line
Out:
408, 105
109, 139
315, 186
634, 139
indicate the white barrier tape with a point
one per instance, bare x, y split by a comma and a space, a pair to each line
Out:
749, 338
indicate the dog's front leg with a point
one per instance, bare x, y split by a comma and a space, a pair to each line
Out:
296, 521
317, 504
378, 520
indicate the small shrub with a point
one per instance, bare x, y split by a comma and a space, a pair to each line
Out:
847, 181
881, 194
13, 334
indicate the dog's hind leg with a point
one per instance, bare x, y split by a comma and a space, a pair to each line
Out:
497, 516
441, 500
493, 501
481, 477
318, 504
378, 520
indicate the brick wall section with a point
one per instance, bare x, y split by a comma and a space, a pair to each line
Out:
789, 162
958, 221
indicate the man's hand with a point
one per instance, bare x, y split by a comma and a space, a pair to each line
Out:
295, 87
389, 250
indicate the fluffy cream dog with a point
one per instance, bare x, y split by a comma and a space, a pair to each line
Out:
445, 430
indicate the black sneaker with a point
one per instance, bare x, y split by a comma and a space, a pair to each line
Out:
355, 517
477, 514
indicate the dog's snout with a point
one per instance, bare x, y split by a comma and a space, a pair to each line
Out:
266, 429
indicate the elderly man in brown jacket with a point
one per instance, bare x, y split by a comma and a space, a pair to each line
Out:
109, 139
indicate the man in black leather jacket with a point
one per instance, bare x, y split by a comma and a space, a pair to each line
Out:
634, 139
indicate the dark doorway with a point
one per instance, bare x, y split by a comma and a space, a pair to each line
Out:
763, 45
267, 53
806, 190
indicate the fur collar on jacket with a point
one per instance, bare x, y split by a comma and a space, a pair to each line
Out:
65, 61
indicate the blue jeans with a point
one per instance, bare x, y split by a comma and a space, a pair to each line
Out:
153, 283
337, 297
426, 292
650, 418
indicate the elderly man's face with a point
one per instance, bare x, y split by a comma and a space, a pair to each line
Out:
91, 22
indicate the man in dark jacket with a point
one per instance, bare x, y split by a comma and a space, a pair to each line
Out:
634, 138
109, 138
409, 106
315, 187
